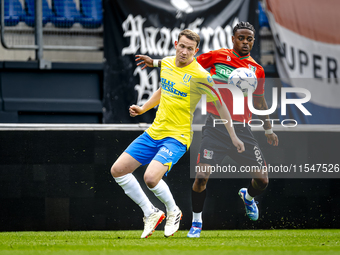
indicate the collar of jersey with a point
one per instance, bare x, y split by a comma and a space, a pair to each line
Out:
241, 57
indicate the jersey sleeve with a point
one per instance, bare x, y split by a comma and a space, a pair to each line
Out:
259, 91
206, 60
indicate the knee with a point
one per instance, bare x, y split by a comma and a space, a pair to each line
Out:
150, 180
261, 184
200, 183
115, 171
202, 175
201, 180
265, 183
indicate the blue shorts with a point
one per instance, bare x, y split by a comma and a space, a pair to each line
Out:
167, 151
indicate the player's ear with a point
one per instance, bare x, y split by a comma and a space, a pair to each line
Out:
233, 39
197, 49
176, 43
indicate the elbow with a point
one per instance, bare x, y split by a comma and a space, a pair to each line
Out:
258, 106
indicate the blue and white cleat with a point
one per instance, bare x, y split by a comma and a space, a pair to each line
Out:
251, 207
195, 230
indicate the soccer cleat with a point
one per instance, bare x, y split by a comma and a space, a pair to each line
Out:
151, 222
251, 207
172, 222
195, 230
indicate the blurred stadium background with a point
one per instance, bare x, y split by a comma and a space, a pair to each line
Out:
66, 83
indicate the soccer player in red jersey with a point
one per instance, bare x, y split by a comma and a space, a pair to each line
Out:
215, 144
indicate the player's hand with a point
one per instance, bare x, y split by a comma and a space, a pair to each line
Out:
272, 139
135, 110
146, 61
238, 144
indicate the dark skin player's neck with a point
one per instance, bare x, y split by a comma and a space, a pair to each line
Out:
241, 54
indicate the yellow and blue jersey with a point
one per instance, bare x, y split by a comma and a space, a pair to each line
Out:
182, 89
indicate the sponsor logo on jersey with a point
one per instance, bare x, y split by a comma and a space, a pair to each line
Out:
167, 151
187, 78
223, 71
166, 72
208, 154
169, 86
228, 58
253, 68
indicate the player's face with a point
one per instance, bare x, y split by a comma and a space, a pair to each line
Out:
186, 49
243, 41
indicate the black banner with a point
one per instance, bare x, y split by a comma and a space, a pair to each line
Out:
151, 28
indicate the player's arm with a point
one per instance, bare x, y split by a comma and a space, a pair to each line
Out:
153, 101
260, 103
146, 61
224, 114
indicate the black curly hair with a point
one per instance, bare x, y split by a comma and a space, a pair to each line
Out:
243, 25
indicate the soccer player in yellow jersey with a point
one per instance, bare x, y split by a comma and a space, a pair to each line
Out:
183, 81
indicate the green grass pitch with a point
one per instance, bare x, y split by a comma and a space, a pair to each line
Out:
257, 242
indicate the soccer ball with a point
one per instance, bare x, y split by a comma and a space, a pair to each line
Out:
244, 79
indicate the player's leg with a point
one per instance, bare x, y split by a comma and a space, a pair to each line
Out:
253, 157
198, 194
199, 191
169, 153
257, 185
255, 188
153, 179
122, 171
214, 146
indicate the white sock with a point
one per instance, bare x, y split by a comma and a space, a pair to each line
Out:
197, 217
162, 192
131, 187
248, 197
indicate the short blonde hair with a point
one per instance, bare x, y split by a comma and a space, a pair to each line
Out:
190, 35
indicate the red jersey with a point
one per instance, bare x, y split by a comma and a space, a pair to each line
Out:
221, 63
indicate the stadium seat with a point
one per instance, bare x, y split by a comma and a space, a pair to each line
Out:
91, 13
66, 13
13, 12
30, 12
